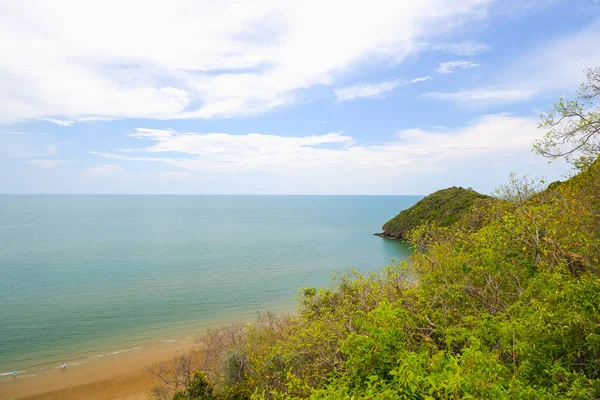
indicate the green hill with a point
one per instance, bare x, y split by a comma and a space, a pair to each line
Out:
443, 207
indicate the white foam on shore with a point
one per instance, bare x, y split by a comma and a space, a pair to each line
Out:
75, 363
122, 351
169, 341
71, 364
116, 352
10, 373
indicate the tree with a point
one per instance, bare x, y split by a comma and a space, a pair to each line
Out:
176, 374
573, 126
199, 388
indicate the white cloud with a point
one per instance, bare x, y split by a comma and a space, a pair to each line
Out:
104, 170
550, 69
53, 148
484, 96
71, 122
335, 155
373, 89
70, 61
495, 133
365, 90
46, 164
466, 48
450, 66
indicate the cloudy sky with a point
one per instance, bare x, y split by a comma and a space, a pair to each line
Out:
283, 97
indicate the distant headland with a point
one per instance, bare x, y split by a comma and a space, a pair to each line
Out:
443, 208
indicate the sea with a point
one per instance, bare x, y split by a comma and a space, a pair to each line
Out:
82, 276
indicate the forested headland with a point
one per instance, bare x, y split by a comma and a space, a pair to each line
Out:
444, 208
500, 299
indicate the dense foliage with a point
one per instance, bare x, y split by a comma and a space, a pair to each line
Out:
443, 208
511, 310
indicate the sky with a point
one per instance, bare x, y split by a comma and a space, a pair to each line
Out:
283, 97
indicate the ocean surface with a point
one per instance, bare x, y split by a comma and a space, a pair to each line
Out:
83, 276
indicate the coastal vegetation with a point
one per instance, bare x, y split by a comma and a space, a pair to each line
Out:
443, 208
501, 301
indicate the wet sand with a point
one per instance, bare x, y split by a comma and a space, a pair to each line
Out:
119, 376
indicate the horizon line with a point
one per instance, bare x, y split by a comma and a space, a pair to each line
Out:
202, 194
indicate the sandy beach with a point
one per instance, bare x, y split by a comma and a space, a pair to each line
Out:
119, 376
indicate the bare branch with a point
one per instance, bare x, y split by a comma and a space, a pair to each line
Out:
573, 126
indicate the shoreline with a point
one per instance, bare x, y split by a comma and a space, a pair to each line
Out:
390, 237
114, 374
118, 376
126, 342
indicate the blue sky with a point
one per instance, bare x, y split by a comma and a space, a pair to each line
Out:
281, 97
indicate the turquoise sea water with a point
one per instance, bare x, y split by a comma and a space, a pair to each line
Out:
84, 275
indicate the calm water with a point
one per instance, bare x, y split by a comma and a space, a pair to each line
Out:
82, 275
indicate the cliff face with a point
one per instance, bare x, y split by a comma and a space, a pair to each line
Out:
443, 207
